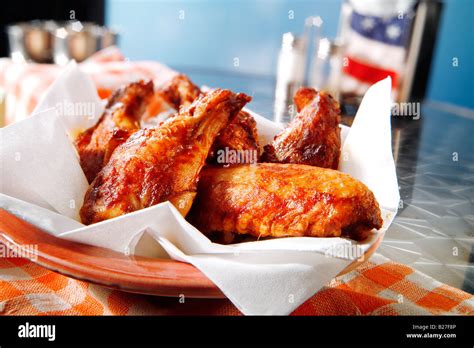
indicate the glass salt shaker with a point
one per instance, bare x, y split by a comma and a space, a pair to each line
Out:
290, 76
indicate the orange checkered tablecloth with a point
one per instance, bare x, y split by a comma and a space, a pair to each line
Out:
378, 287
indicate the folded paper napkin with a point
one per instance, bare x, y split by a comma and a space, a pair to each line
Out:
378, 287
44, 184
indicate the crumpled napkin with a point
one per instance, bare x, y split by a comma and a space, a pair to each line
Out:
42, 182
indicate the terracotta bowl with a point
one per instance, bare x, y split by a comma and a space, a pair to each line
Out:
161, 277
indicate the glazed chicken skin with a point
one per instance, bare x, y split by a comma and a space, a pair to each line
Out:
163, 163
239, 136
179, 92
120, 119
303, 97
313, 136
283, 200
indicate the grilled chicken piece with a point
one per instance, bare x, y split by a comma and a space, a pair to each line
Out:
177, 93
303, 97
237, 143
161, 164
180, 92
313, 136
282, 200
120, 119
239, 135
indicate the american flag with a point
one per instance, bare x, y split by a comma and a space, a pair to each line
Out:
376, 41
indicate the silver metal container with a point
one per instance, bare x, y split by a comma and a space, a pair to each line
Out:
79, 41
32, 41
57, 42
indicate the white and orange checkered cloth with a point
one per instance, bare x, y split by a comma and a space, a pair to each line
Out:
378, 287
24, 84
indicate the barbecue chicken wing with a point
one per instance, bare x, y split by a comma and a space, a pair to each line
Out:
238, 139
120, 119
313, 136
281, 200
303, 97
239, 135
179, 92
163, 163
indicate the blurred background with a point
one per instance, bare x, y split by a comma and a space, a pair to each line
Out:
268, 48
213, 33
244, 37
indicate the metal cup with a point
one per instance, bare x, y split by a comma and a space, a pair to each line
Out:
32, 41
57, 42
79, 42
75, 42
